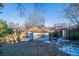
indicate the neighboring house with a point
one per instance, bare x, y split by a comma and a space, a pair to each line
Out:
60, 29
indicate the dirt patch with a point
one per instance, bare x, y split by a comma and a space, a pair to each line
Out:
31, 48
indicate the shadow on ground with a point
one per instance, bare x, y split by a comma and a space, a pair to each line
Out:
31, 48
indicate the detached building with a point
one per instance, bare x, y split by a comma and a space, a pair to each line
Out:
39, 34
61, 30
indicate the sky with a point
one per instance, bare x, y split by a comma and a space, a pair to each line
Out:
52, 12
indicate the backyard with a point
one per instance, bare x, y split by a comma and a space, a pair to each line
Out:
39, 29
30, 48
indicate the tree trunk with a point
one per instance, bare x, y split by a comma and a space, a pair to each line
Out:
78, 27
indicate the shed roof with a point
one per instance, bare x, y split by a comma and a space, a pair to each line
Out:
36, 29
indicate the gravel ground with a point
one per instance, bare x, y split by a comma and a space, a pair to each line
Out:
30, 48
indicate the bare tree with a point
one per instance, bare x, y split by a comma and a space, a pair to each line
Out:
72, 13
36, 18
39, 8
21, 9
27, 26
1, 5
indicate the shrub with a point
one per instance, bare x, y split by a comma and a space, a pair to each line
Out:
73, 34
